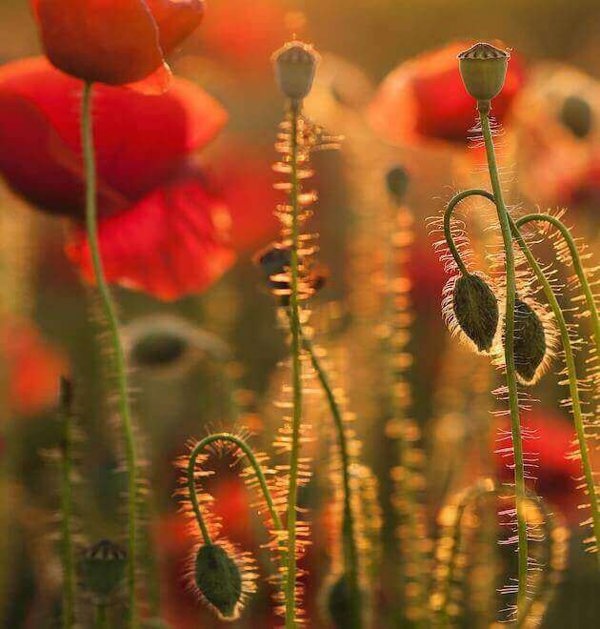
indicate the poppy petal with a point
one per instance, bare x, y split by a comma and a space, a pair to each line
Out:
176, 20
173, 243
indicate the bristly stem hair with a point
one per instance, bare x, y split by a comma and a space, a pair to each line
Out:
119, 363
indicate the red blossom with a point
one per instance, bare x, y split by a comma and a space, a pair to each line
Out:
116, 41
161, 230
425, 99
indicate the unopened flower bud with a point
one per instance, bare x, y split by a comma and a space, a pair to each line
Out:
576, 115
476, 310
529, 342
295, 66
483, 70
103, 568
397, 181
219, 580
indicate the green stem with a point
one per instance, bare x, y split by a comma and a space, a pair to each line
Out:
101, 616
67, 557
243, 446
290, 580
119, 363
573, 381
348, 533
511, 376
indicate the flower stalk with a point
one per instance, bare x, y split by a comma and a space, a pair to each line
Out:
119, 363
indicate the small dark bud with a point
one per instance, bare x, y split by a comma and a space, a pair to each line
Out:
65, 394
103, 568
158, 349
295, 66
343, 604
576, 115
219, 580
397, 181
529, 342
476, 310
483, 70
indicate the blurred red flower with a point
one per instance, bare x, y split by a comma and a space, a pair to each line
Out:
424, 99
160, 228
33, 367
116, 41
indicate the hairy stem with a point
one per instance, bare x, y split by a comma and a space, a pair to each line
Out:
119, 364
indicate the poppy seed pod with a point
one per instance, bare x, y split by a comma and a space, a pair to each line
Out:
483, 70
476, 310
295, 66
529, 342
576, 115
341, 604
397, 181
219, 580
103, 568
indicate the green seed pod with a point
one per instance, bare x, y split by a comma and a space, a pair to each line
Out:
343, 605
576, 115
295, 66
397, 181
483, 70
219, 580
102, 568
476, 310
529, 342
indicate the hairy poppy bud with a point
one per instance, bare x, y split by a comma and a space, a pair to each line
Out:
529, 342
476, 310
397, 181
219, 580
483, 70
103, 568
295, 66
576, 115
342, 604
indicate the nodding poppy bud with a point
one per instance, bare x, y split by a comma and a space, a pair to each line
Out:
219, 580
397, 181
103, 568
529, 342
483, 70
476, 310
576, 115
295, 66
342, 606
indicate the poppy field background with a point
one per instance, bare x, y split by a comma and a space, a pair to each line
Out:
189, 275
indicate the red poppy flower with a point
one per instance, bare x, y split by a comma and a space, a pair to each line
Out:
160, 229
33, 368
424, 99
115, 41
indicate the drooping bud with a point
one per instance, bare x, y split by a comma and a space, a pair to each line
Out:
576, 115
483, 70
397, 181
219, 580
476, 310
342, 604
103, 568
529, 342
295, 65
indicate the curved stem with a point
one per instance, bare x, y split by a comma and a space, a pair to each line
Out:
119, 364
243, 446
290, 584
511, 376
577, 266
348, 534
573, 381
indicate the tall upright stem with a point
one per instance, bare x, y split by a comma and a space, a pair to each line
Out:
511, 375
290, 583
119, 364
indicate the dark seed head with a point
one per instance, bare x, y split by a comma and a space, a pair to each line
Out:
343, 605
529, 343
576, 115
103, 568
295, 66
397, 181
158, 349
483, 70
476, 310
219, 580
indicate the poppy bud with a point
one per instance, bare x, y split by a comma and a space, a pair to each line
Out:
397, 181
476, 310
529, 342
483, 70
103, 568
219, 580
342, 604
295, 66
576, 115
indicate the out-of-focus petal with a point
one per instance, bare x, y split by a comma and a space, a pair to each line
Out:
176, 20
172, 243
